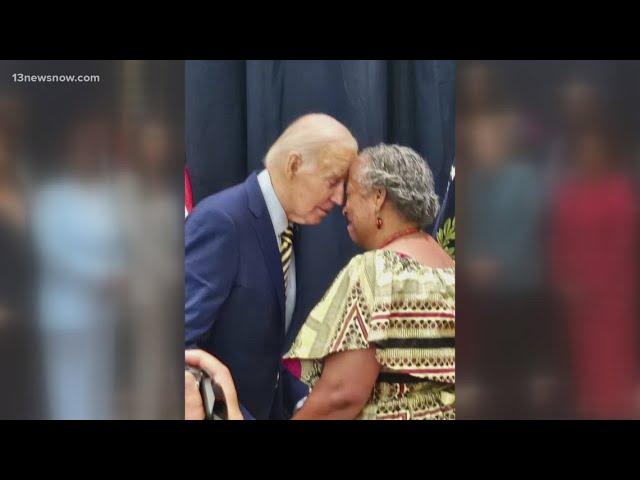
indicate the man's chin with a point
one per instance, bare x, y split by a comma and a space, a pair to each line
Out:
308, 220
313, 220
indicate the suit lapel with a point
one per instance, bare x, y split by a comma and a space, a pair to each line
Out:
266, 238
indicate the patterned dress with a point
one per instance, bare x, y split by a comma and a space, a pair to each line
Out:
389, 301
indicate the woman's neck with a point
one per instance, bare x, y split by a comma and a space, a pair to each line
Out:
391, 227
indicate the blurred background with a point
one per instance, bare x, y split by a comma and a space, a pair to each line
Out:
91, 240
548, 161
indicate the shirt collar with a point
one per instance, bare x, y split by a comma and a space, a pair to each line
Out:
276, 212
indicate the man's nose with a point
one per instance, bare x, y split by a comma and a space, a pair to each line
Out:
338, 194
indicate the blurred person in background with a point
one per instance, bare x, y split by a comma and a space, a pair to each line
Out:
582, 273
477, 88
593, 260
13, 228
152, 221
80, 250
502, 195
580, 107
474, 90
17, 277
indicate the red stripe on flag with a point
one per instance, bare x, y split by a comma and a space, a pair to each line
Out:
188, 195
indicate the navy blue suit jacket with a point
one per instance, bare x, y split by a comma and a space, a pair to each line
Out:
234, 297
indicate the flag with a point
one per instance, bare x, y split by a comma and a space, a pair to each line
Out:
188, 195
444, 228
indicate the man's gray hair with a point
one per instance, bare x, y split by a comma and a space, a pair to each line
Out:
404, 174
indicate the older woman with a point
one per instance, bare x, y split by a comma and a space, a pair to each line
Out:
380, 343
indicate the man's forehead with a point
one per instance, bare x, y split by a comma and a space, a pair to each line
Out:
357, 164
355, 169
343, 171
337, 166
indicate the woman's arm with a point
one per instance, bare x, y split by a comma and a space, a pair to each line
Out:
344, 387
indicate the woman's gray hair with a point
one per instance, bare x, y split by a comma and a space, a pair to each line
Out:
404, 174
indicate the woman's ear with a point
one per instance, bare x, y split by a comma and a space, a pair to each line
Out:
294, 161
380, 197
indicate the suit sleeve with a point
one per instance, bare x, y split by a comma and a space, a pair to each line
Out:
294, 391
246, 415
211, 263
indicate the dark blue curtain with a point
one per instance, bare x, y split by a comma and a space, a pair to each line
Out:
236, 109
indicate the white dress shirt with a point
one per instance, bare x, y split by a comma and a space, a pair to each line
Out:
280, 222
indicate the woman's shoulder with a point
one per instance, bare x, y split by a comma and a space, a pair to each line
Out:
384, 266
371, 261
389, 263
395, 260
369, 264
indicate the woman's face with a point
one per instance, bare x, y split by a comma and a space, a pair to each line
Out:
360, 208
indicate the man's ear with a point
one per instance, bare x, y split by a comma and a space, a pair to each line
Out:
294, 162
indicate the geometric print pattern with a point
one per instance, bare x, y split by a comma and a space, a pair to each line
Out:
406, 311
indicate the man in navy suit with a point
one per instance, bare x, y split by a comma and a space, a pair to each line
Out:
240, 282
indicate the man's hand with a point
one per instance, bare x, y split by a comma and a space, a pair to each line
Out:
221, 377
193, 406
